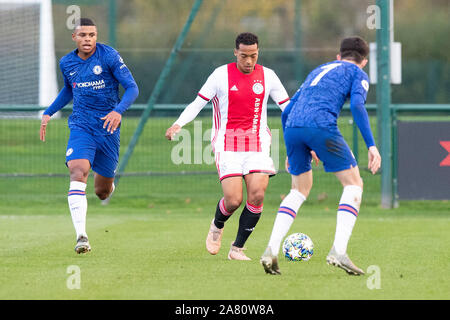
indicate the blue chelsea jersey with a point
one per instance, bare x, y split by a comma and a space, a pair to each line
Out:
319, 100
95, 86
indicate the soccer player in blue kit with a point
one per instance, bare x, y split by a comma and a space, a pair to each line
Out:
310, 123
91, 73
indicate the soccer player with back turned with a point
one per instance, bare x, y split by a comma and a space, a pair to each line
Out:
92, 74
240, 137
310, 123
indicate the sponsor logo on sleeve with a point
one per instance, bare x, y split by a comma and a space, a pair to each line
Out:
123, 64
365, 85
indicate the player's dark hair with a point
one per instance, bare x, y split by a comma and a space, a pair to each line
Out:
354, 48
246, 38
84, 22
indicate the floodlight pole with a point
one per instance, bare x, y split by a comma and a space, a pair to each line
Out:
298, 42
156, 91
112, 22
186, 66
384, 115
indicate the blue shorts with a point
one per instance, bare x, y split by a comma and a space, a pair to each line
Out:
329, 146
101, 151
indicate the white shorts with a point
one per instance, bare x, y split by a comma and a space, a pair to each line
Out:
233, 164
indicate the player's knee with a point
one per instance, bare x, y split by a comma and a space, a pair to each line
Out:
232, 204
353, 181
256, 197
78, 174
101, 193
360, 183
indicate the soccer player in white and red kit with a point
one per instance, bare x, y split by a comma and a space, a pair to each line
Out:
240, 137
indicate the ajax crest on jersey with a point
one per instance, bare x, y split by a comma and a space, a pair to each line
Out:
258, 88
97, 69
298, 247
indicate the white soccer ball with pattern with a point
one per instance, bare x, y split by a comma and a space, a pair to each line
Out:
298, 247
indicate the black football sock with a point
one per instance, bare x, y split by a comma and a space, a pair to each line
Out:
247, 223
220, 218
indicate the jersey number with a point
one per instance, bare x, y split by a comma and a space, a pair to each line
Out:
326, 68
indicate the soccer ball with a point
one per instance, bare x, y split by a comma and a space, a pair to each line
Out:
298, 247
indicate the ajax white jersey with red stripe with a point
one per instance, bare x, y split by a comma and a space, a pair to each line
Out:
240, 107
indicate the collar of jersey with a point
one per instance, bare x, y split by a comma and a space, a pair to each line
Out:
75, 52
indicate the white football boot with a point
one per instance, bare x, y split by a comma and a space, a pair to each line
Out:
270, 262
82, 245
343, 261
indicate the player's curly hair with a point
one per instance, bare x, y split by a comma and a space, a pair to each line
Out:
354, 48
246, 38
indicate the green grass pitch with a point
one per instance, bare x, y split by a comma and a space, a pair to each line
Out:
149, 242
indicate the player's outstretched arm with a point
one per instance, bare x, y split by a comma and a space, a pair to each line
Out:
209, 89
63, 98
189, 114
172, 131
42, 130
374, 159
112, 121
362, 121
123, 75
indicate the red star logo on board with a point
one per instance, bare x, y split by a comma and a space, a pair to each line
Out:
446, 161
